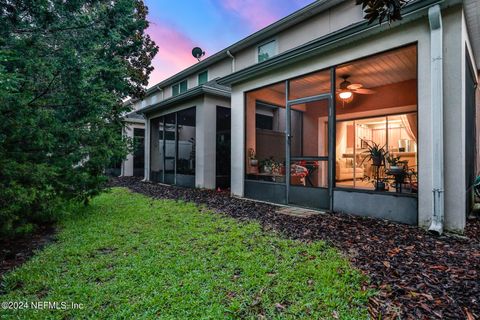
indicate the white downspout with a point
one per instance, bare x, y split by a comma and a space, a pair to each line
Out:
436, 91
233, 60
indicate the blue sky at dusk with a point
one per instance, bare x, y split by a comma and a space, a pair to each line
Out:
179, 25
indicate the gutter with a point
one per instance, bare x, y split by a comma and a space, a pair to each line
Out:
330, 41
296, 17
233, 59
436, 100
185, 96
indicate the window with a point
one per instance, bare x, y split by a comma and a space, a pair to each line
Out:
172, 148
178, 88
376, 127
266, 51
264, 121
186, 142
265, 134
139, 151
203, 77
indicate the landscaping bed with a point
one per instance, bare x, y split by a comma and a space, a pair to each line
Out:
15, 251
418, 275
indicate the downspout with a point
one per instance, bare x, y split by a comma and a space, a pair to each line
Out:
161, 92
233, 59
436, 92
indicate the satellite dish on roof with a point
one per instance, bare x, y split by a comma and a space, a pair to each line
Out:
198, 53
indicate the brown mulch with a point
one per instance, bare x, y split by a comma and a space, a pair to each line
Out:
15, 251
418, 275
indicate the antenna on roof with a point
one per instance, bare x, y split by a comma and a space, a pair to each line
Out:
198, 53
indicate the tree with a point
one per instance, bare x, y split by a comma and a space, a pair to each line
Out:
65, 68
383, 10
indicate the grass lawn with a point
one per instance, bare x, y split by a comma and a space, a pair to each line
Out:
127, 256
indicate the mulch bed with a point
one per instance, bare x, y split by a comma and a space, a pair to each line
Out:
418, 275
15, 251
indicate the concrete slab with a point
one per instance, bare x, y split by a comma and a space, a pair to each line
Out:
298, 212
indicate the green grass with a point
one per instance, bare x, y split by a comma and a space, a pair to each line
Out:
127, 256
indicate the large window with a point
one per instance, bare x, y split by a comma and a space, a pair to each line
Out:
172, 155
376, 129
265, 136
186, 142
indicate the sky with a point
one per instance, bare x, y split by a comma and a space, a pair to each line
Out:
177, 26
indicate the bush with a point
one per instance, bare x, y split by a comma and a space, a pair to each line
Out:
65, 68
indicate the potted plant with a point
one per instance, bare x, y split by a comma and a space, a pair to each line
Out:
396, 166
380, 184
269, 165
252, 157
375, 153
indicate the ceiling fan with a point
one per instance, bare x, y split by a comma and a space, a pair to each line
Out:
347, 89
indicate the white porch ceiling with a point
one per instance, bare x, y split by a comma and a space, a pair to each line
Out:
472, 17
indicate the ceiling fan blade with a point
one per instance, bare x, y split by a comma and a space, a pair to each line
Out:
354, 86
364, 91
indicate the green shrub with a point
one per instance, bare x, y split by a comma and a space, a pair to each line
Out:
65, 68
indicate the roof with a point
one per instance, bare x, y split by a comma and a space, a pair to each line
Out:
263, 34
211, 87
412, 11
134, 117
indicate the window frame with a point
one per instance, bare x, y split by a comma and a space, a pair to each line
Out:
179, 86
275, 49
200, 74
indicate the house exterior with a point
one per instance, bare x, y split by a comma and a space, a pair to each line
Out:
323, 110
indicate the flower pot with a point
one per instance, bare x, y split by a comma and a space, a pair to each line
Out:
253, 162
266, 169
380, 186
396, 169
377, 161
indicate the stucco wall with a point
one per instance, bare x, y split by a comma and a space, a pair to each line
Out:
205, 147
454, 119
454, 107
415, 32
127, 164
319, 25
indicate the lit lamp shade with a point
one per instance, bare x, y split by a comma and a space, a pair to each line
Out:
345, 95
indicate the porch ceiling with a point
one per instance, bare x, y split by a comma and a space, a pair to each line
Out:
382, 69
472, 17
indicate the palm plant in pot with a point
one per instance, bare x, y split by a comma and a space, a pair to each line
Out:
377, 155
396, 166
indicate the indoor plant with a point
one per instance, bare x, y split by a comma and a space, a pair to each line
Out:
375, 153
252, 157
269, 165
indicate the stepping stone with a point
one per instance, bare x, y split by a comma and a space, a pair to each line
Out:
298, 212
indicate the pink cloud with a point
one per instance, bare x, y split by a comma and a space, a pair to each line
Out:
174, 53
257, 14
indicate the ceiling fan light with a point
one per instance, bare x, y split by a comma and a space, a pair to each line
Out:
345, 95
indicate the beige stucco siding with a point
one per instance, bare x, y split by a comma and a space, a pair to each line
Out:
331, 20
